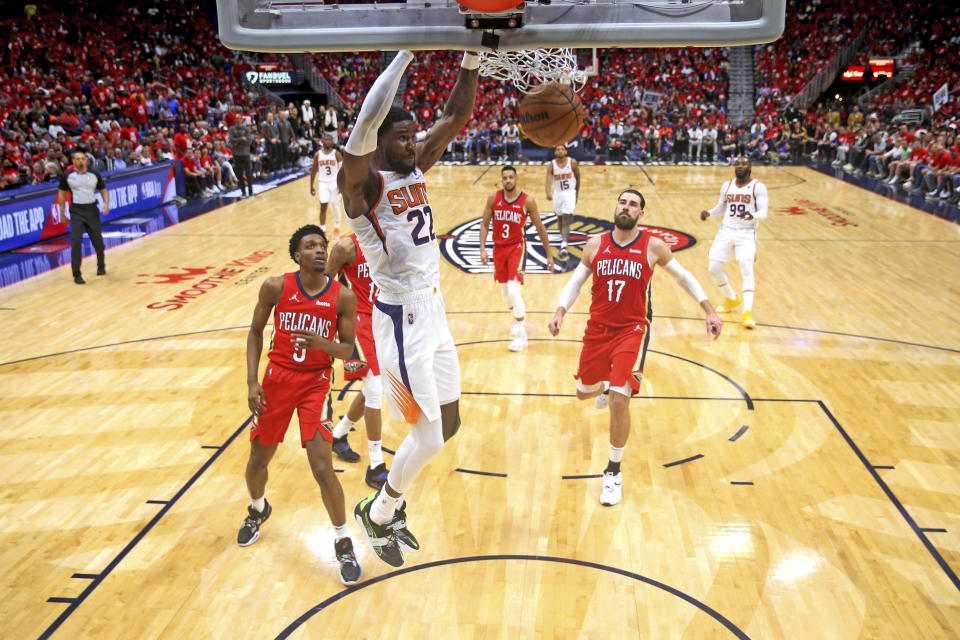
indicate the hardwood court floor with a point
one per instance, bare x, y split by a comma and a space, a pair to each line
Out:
797, 481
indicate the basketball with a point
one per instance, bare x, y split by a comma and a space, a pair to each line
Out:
551, 115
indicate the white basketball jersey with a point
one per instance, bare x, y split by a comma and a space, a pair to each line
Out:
327, 166
563, 179
740, 204
397, 235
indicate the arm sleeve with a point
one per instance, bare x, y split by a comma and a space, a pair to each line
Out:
718, 210
64, 185
686, 280
363, 138
100, 184
761, 202
572, 289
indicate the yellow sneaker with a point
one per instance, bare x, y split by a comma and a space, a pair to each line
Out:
729, 305
747, 320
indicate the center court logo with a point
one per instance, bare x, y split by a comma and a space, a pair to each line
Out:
461, 245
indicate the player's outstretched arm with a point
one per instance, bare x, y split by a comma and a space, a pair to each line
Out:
456, 113
664, 258
485, 226
533, 211
357, 181
572, 289
346, 329
268, 297
343, 253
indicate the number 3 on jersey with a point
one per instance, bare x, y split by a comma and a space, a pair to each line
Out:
419, 237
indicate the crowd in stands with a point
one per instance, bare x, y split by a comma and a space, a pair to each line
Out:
139, 81
130, 83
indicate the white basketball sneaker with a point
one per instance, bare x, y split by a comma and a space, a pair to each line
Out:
519, 343
612, 489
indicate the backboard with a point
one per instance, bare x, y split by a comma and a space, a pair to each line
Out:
300, 25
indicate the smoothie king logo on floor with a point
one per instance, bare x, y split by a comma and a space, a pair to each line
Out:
461, 245
198, 281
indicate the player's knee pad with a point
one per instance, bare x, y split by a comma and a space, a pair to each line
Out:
746, 270
516, 299
372, 391
428, 436
716, 272
505, 293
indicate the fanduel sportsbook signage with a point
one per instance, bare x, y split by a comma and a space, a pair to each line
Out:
271, 77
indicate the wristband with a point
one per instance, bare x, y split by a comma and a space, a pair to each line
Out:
471, 60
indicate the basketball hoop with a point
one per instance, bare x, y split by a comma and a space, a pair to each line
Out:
529, 69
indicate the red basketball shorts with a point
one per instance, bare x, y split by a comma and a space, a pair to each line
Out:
285, 390
367, 348
613, 354
507, 262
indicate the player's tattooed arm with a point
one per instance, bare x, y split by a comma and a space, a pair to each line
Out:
456, 115
343, 253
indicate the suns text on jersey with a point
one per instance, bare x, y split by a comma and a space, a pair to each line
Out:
408, 197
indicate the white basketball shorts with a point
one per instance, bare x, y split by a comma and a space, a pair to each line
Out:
419, 368
563, 202
742, 242
327, 192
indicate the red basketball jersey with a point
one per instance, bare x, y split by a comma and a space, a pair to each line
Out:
621, 282
509, 219
296, 311
358, 275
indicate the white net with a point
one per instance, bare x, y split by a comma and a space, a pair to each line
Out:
529, 69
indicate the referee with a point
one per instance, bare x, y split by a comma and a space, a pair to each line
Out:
83, 213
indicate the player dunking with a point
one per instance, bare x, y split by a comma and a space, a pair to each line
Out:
346, 258
509, 208
386, 202
313, 322
326, 162
743, 204
563, 187
615, 341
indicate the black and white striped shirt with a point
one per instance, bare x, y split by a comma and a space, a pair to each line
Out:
83, 186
